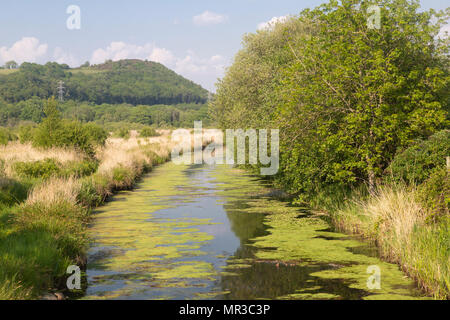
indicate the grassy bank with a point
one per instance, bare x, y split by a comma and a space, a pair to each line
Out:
46, 196
397, 221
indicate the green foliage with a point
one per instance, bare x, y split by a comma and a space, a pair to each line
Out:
89, 195
123, 178
79, 168
418, 162
127, 81
344, 96
123, 133
6, 136
38, 169
148, 132
54, 131
13, 192
26, 133
96, 134
434, 194
47, 168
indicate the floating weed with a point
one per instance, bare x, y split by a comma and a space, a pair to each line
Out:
158, 248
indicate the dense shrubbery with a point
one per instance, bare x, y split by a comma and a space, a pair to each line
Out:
148, 132
39, 169
424, 165
342, 120
26, 133
13, 192
123, 133
434, 194
54, 131
417, 163
180, 115
47, 168
6, 136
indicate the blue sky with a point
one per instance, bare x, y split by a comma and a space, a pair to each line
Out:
196, 38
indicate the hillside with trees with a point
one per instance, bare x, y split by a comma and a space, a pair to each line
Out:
126, 81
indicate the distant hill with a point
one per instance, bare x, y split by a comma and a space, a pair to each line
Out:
126, 81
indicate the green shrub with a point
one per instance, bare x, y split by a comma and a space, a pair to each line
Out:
434, 194
6, 136
79, 168
148, 132
54, 131
123, 133
38, 169
26, 133
89, 195
13, 192
123, 178
417, 163
66, 134
97, 135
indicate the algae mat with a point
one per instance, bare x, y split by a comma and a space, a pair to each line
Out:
202, 232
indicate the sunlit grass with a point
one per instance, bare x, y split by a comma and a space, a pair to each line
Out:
394, 218
46, 232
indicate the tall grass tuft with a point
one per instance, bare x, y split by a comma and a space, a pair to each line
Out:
396, 220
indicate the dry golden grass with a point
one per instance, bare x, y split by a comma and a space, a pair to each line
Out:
131, 152
396, 220
55, 190
394, 214
18, 152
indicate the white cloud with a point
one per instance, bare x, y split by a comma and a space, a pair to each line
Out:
445, 29
271, 23
162, 56
60, 56
121, 50
209, 18
204, 71
28, 49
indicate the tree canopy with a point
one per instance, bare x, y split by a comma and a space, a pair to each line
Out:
346, 97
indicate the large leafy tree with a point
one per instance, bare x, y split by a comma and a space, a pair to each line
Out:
359, 93
346, 97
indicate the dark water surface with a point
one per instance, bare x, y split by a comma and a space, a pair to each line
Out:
200, 232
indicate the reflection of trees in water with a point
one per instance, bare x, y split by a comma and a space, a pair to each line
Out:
271, 279
246, 226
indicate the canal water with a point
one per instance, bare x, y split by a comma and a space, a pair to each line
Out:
216, 232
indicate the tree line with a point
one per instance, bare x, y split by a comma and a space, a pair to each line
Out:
179, 115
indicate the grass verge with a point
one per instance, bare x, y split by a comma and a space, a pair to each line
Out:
399, 223
43, 223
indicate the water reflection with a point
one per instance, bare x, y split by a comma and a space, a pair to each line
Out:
199, 232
